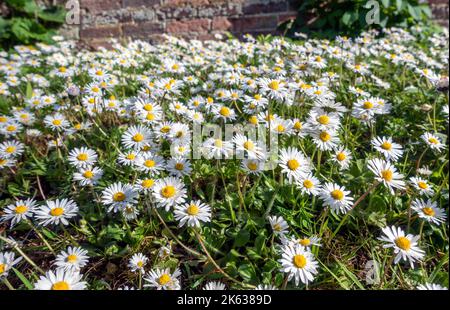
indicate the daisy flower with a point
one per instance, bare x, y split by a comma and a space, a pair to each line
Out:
179, 167
150, 163
325, 140
57, 211
214, 286
298, 263
309, 184
432, 287
336, 197
130, 212
168, 192
252, 166
245, 146
279, 225
56, 122
422, 186
386, 173
390, 150
7, 260
136, 137
433, 141
144, 185
163, 279
19, 211
137, 262
88, 175
265, 287
405, 246
11, 148
60, 280
217, 148
129, 158
74, 258
223, 113
82, 157
118, 195
429, 211
342, 157
192, 214
323, 121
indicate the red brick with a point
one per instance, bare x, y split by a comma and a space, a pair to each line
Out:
142, 30
98, 43
100, 32
194, 25
270, 7
205, 36
221, 23
286, 16
98, 6
248, 24
194, 3
139, 3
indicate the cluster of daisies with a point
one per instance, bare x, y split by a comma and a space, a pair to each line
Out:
314, 96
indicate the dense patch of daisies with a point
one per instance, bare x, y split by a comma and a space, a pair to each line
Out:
97, 167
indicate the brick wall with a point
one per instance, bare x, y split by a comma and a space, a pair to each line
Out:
440, 11
199, 19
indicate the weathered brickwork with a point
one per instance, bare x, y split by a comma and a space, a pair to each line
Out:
197, 19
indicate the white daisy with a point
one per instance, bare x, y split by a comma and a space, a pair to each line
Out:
386, 173
118, 195
298, 263
168, 192
163, 279
192, 214
137, 262
74, 258
336, 197
429, 211
19, 211
82, 157
390, 150
57, 211
60, 280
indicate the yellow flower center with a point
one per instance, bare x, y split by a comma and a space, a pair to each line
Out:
253, 120
72, 258
257, 97
61, 286
148, 107
179, 166
140, 264
299, 261
175, 67
11, 128
280, 128
277, 227
77, 126
131, 156
2, 268
147, 183
403, 243
428, 211
218, 143
3, 119
57, 211
341, 156
62, 69
368, 105
224, 111
325, 136
138, 137
433, 140
298, 126
422, 185
305, 242
308, 184
56, 122
21, 209
164, 279
149, 163
150, 117
168, 191
293, 164
248, 145
10, 149
119, 196
192, 210
88, 174
337, 194
82, 156
274, 85
386, 146
387, 175
252, 166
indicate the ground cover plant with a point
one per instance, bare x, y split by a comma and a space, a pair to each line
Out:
103, 187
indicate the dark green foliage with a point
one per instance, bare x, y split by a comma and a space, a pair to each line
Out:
348, 17
28, 22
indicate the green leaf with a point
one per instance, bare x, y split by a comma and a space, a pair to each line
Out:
22, 278
29, 92
242, 238
386, 3
247, 272
56, 15
412, 11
